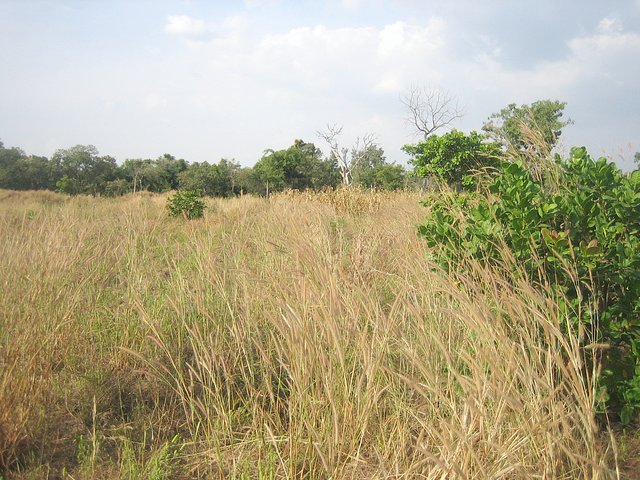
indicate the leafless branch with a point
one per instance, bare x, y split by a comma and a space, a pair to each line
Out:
346, 158
430, 109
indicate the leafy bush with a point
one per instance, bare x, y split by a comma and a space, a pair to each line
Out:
579, 234
453, 157
186, 203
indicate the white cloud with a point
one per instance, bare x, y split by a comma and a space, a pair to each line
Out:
314, 59
608, 53
609, 25
597, 78
184, 25
287, 85
606, 43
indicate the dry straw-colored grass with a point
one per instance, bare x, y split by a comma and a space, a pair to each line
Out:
305, 336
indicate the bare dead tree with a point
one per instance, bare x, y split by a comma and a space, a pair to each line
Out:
430, 109
347, 158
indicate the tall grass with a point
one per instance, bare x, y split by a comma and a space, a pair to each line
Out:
298, 337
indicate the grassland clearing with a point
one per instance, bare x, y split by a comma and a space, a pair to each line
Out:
304, 336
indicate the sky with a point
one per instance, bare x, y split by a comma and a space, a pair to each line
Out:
205, 80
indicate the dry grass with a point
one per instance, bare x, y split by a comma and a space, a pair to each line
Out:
307, 336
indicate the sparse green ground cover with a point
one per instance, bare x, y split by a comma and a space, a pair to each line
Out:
306, 336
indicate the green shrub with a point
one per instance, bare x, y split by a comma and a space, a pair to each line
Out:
186, 203
453, 157
580, 235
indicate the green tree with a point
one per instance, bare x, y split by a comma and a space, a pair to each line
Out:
364, 162
169, 167
453, 157
322, 172
11, 165
116, 188
198, 177
371, 170
69, 185
247, 181
227, 178
19, 171
388, 176
299, 167
346, 159
144, 174
213, 180
84, 170
325, 173
534, 128
37, 173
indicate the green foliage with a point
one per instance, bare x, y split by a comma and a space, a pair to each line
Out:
452, 157
371, 170
83, 170
186, 203
68, 185
19, 171
169, 168
246, 181
88, 451
364, 162
388, 176
116, 188
136, 462
199, 176
214, 180
510, 125
581, 237
10, 160
158, 175
299, 167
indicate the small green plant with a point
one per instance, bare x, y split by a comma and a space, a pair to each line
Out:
160, 466
137, 462
186, 203
579, 235
87, 452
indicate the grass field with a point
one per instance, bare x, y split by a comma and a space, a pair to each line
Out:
305, 336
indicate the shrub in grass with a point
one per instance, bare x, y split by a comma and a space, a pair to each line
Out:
186, 203
579, 234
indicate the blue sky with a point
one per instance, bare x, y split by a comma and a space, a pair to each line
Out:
207, 80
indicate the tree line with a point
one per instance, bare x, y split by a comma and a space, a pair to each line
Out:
83, 170
453, 157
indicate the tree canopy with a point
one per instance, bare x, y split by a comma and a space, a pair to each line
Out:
298, 167
371, 170
83, 170
534, 127
453, 157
